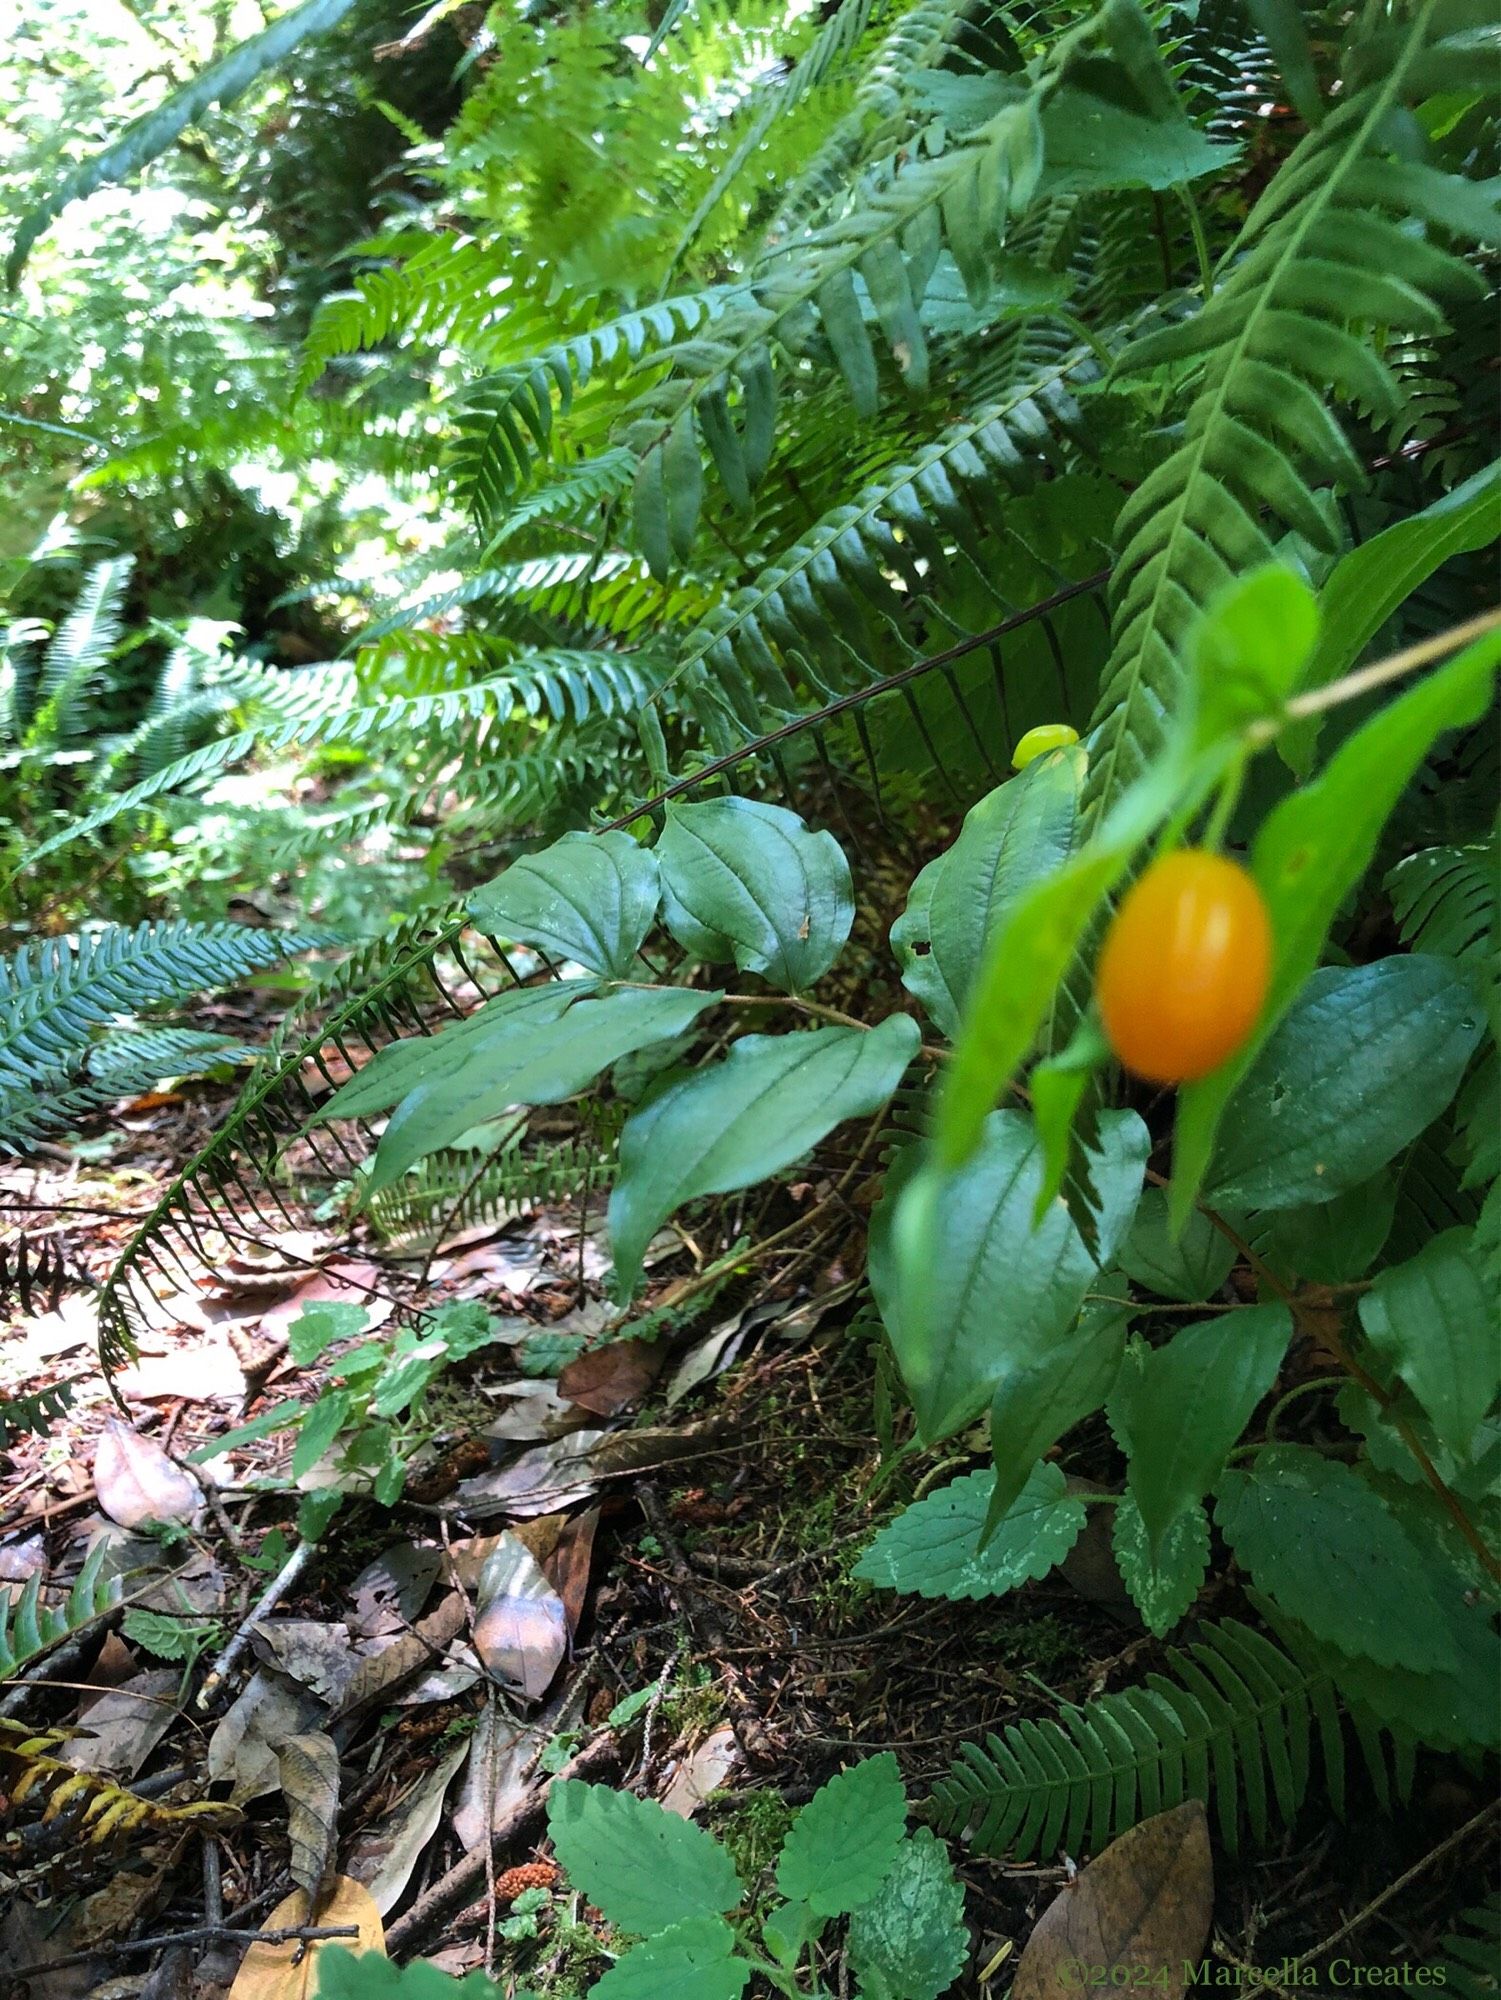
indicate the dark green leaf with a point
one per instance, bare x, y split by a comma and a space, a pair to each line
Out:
736, 1122
752, 883
589, 897
1433, 1320
1039, 1398
319, 1325
646, 1869
320, 1427
1187, 1268
1162, 1591
1363, 1062
1338, 1240
694, 1960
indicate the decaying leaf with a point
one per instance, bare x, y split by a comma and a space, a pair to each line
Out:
421, 1647
309, 1770
318, 1655
122, 1728
567, 1566
537, 1482
244, 1747
276, 1972
702, 1772
136, 1481
520, 1626
1141, 1912
500, 1753
389, 1592
384, 1857
607, 1380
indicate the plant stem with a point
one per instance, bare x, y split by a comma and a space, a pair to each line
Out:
1378, 674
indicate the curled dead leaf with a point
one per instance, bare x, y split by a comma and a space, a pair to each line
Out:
136, 1481
1136, 1916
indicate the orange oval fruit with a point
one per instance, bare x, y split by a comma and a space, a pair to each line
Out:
1184, 968
1039, 741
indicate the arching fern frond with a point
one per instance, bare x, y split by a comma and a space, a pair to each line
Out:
1233, 1720
1339, 246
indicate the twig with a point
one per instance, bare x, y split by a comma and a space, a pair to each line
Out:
201, 1934
269, 1598
452, 1891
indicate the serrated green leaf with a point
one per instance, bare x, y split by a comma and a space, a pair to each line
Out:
1433, 1320
842, 1845
694, 1960
645, 1868
996, 1292
1329, 1551
788, 1929
933, 1549
1311, 851
1189, 1268
1178, 1410
1365, 1059
738, 1121
319, 1325
909, 1941
590, 897
1038, 1399
752, 883
1164, 1590
1013, 839
541, 1059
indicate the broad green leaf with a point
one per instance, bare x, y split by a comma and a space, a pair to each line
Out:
590, 897
399, 1067
1473, 1472
319, 1325
320, 1427
1433, 1320
1338, 1240
1178, 1410
1039, 1398
1310, 853
645, 1868
694, 1960
1249, 650
1092, 143
1164, 1590
649, 518
1014, 838
741, 1120
1329, 1552
1365, 1060
149, 137
996, 1292
841, 1847
1187, 1269
752, 883
909, 1941
932, 1549
1373, 581
535, 1061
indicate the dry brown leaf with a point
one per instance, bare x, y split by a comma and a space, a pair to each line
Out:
270, 1708
391, 1590
1136, 1916
567, 1569
383, 1857
609, 1379
405, 1656
120, 1730
520, 1626
136, 1481
271, 1971
309, 1769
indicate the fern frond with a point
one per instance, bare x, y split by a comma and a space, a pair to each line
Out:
55, 994
1330, 252
1471, 1961
1232, 1720
31, 1414
443, 1188
80, 651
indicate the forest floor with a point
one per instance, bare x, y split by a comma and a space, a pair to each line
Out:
676, 1611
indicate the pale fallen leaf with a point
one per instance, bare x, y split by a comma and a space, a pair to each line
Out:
243, 1748
534, 1408
136, 1481
347, 1282
1136, 1916
457, 1672
520, 1626
273, 1971
706, 1358
383, 1857
702, 1773
200, 1371
541, 1481
500, 1752
321, 1656
125, 1725
391, 1590
308, 1767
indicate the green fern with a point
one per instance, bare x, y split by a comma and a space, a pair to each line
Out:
32, 1414
28, 1627
1471, 1961
56, 995
1332, 250
1233, 1721
446, 1189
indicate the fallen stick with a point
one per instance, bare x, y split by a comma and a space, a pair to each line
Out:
452, 1891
